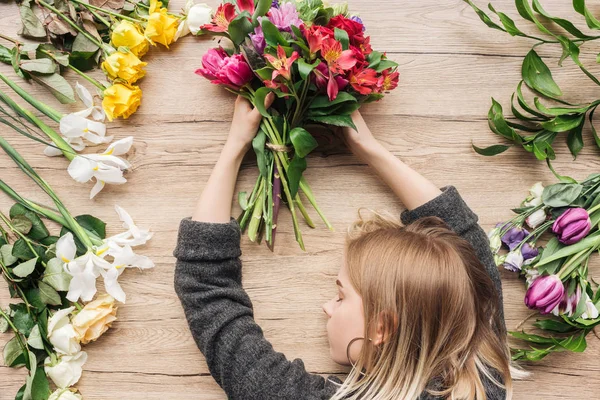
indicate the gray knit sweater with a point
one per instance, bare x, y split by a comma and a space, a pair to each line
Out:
208, 281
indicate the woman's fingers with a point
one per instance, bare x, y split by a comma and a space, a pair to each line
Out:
269, 99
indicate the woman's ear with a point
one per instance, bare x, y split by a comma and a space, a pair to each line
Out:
387, 324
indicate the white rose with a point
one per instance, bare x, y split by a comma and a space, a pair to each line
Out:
536, 219
196, 15
67, 371
65, 394
61, 333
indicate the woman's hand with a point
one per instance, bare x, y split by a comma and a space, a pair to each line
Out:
246, 121
360, 142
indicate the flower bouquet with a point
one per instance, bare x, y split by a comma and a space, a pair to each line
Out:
319, 63
556, 274
55, 277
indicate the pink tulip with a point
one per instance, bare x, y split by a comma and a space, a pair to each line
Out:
221, 69
572, 226
545, 293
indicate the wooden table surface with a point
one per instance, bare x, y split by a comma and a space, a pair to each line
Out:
450, 66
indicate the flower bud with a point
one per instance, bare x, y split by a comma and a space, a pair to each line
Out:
536, 219
572, 226
545, 293
514, 261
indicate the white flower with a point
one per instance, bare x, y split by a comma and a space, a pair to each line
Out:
61, 333
76, 126
84, 271
536, 219
134, 236
64, 394
105, 167
495, 240
65, 248
196, 16
591, 311
67, 371
514, 260
531, 274
535, 195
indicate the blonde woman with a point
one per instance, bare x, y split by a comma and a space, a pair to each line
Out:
418, 310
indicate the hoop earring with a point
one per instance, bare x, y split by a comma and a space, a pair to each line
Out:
348, 348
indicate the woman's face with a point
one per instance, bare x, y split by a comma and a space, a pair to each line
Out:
345, 319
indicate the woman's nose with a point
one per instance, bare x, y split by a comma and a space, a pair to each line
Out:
327, 308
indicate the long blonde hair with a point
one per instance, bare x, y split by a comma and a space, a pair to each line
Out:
439, 310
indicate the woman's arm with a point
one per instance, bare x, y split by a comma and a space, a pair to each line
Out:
215, 201
412, 188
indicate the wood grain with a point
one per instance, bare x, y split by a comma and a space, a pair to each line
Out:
450, 63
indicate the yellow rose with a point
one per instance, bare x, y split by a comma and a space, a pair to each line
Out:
124, 65
121, 100
161, 27
94, 319
130, 35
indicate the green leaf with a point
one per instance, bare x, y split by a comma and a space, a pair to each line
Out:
507, 22
12, 353
239, 28
3, 325
31, 25
527, 107
58, 86
83, 47
48, 295
574, 343
243, 200
303, 141
265, 73
594, 132
561, 194
38, 230
563, 23
21, 250
553, 325
591, 240
484, 17
491, 150
498, 124
305, 68
563, 123
575, 139
23, 270
23, 321
35, 338
336, 120
532, 338
22, 224
342, 36
40, 66
538, 77
59, 56
294, 173
92, 225
38, 387
273, 36
262, 7
258, 144
5, 55
552, 247
592, 22
556, 111
55, 276
324, 102
6, 253
259, 100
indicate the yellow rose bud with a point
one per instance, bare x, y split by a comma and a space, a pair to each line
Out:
121, 100
94, 319
161, 27
124, 65
130, 35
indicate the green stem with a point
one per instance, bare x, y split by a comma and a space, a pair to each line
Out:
243, 219
595, 208
65, 147
50, 214
256, 214
88, 78
302, 209
49, 111
147, 7
574, 262
100, 17
15, 41
114, 14
286, 189
73, 24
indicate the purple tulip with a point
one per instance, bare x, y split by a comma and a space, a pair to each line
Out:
529, 251
572, 226
545, 293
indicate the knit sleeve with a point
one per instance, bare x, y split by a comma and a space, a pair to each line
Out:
208, 282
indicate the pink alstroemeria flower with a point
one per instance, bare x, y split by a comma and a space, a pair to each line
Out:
282, 63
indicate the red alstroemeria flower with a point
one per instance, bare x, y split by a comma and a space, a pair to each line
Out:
387, 81
365, 81
365, 46
223, 16
246, 5
314, 36
282, 63
323, 77
338, 60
